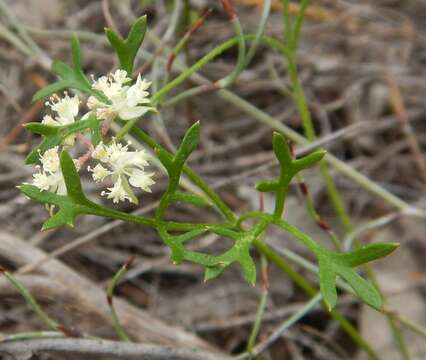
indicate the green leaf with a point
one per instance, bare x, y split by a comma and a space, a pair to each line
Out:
69, 206
212, 272
67, 209
289, 167
248, 267
267, 185
281, 150
309, 160
327, 278
55, 135
187, 146
128, 48
72, 179
50, 89
49, 141
70, 77
175, 165
364, 289
42, 129
368, 253
332, 263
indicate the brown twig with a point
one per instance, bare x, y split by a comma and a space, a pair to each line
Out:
35, 108
398, 106
108, 17
187, 36
229, 9
90, 298
103, 348
82, 240
17, 129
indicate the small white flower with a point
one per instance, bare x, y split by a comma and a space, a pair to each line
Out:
123, 167
117, 192
66, 110
49, 175
99, 173
142, 180
100, 153
50, 160
120, 77
42, 181
127, 102
48, 120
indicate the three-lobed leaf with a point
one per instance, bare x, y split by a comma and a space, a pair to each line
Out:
289, 166
67, 212
128, 48
70, 77
332, 264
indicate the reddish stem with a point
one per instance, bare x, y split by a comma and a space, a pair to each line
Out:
187, 35
229, 9
129, 262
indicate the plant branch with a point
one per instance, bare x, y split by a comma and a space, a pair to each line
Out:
86, 347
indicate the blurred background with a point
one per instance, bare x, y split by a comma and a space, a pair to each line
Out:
363, 68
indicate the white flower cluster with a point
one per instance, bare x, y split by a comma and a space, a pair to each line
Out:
49, 176
66, 110
122, 167
127, 102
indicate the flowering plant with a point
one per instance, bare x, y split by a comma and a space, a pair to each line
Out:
118, 98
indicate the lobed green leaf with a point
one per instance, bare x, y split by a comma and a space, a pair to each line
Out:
332, 264
128, 48
70, 77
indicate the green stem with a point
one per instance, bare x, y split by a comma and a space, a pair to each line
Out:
110, 297
300, 235
187, 73
261, 307
282, 328
399, 338
280, 197
413, 326
32, 335
241, 57
313, 213
52, 324
305, 115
